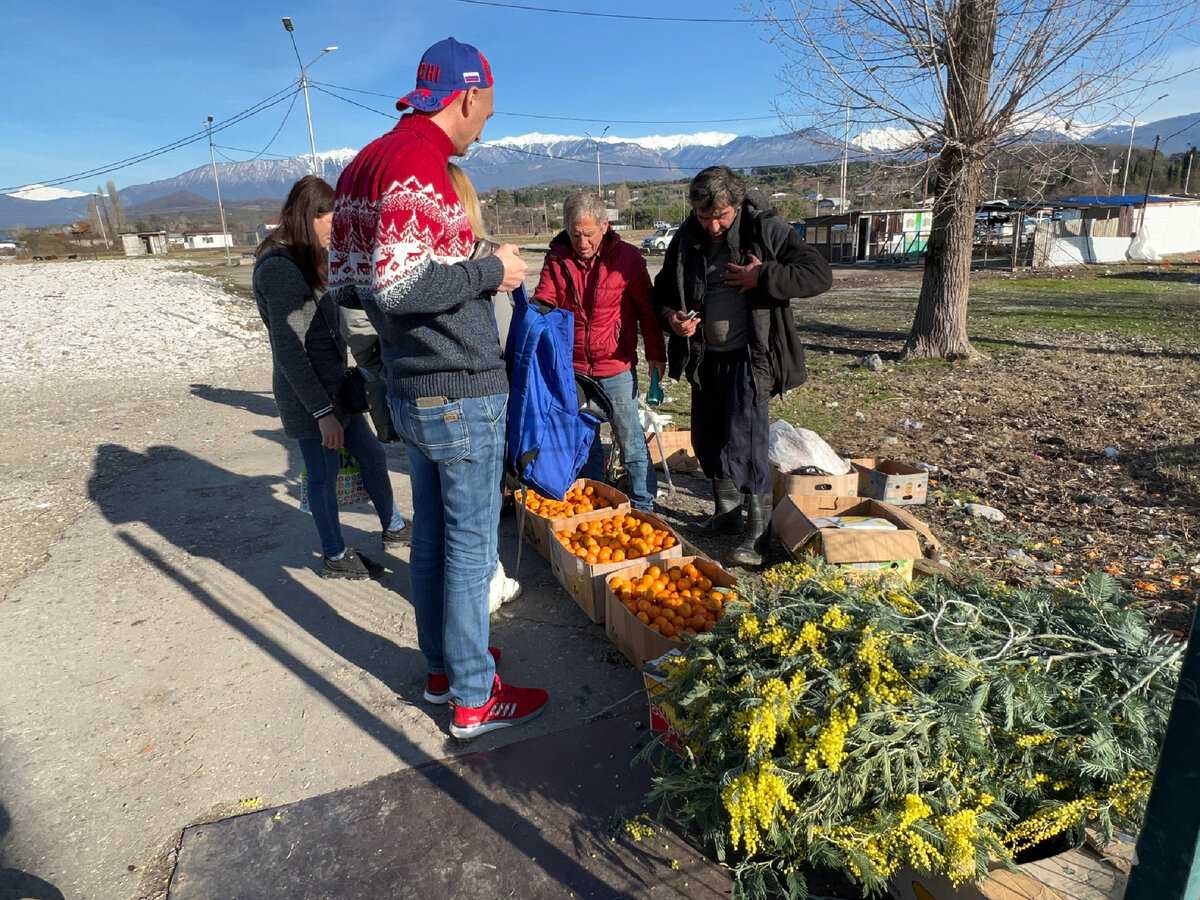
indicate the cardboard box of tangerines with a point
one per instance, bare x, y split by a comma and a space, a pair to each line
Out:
546, 516
596, 544
650, 605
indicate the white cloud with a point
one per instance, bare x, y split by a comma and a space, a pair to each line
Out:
41, 192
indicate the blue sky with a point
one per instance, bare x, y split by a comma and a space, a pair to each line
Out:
89, 83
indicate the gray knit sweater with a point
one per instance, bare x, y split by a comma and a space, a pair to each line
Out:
308, 352
439, 335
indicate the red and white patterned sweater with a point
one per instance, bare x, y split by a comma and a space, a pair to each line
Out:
400, 242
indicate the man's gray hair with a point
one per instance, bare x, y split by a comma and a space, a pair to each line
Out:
715, 187
583, 205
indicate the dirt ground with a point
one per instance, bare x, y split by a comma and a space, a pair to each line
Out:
1082, 425
170, 654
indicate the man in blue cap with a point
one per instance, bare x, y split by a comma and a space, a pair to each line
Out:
400, 247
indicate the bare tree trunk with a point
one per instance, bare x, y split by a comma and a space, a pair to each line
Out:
940, 327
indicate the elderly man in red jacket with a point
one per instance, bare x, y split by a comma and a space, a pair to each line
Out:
603, 281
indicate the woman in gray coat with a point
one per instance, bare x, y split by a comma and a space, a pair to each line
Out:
308, 355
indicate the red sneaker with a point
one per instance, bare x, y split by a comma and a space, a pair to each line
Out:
507, 706
437, 684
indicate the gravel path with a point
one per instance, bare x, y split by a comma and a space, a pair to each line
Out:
74, 321
96, 351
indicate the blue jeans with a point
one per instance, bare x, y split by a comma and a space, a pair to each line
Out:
455, 461
628, 435
322, 467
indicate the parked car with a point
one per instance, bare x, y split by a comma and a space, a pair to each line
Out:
657, 242
662, 225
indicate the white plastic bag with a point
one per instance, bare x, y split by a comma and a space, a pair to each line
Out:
791, 448
1142, 250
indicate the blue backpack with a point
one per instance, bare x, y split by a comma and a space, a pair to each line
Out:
548, 435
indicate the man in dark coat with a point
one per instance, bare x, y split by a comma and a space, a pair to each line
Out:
725, 293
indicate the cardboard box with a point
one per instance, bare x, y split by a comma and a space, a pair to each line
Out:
814, 485
539, 530
892, 481
587, 584
856, 552
677, 445
664, 719
639, 642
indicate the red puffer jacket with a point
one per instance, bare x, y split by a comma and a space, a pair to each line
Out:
609, 300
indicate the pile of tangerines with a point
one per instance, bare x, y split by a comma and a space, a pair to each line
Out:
680, 601
579, 499
615, 539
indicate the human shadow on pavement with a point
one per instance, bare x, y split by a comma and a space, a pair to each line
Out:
236, 521
261, 403
18, 885
162, 488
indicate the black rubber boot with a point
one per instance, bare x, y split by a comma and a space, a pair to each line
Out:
728, 517
749, 552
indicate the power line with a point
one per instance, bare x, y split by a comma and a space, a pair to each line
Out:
749, 20
263, 105
286, 116
247, 150
521, 115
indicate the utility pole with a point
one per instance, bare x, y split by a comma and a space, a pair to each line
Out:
290, 27
1128, 156
845, 157
1187, 179
596, 141
1149, 176
225, 237
1129, 152
100, 219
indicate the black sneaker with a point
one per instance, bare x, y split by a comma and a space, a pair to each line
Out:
397, 537
353, 566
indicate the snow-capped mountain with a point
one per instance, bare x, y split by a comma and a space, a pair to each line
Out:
659, 142
1179, 133
249, 180
887, 139
537, 158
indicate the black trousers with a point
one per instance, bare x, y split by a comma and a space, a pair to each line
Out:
730, 423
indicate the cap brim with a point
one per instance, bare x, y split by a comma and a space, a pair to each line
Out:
426, 100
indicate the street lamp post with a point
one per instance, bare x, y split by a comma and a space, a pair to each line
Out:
1129, 152
225, 236
290, 28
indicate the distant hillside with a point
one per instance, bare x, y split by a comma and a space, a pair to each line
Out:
1179, 134
180, 201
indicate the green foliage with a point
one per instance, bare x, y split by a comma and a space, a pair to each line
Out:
869, 727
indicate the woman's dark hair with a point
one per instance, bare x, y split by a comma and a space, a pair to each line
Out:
716, 186
309, 198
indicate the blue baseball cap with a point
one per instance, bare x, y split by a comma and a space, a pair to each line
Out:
447, 69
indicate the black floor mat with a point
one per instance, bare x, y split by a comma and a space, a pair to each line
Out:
542, 818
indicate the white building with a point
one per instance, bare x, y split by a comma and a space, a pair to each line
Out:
207, 240
144, 243
1117, 229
